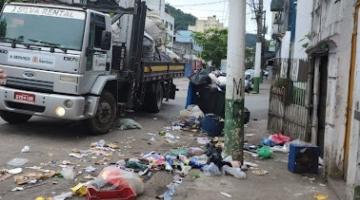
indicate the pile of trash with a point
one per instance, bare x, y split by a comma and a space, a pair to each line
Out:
107, 178
274, 143
207, 91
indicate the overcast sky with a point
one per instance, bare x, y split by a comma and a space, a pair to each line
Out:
205, 8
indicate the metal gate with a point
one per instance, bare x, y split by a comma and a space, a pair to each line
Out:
288, 112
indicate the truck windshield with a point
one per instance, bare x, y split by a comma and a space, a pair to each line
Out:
43, 26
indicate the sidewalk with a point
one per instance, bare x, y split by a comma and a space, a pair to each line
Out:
278, 184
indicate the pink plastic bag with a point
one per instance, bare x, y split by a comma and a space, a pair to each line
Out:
280, 139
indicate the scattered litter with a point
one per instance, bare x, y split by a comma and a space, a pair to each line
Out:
282, 149
249, 135
225, 194
40, 198
4, 175
322, 185
68, 173
321, 197
260, 172
279, 139
100, 143
136, 165
118, 179
15, 171
195, 151
25, 149
76, 155
236, 172
211, 170
176, 128
127, 124
170, 138
113, 146
79, 189
264, 152
33, 177
16, 189
192, 111
151, 134
203, 140
168, 195
63, 196
17, 162
90, 169
250, 164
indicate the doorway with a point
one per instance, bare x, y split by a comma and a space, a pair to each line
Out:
321, 110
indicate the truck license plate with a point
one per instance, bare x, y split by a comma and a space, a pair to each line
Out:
24, 97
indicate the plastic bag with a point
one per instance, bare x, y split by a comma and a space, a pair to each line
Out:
114, 178
211, 170
264, 152
192, 111
279, 139
236, 172
127, 124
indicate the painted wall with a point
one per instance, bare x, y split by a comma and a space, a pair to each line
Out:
303, 28
333, 24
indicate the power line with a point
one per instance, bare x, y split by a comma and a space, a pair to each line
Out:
199, 4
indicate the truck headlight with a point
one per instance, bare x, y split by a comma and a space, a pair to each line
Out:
60, 111
70, 79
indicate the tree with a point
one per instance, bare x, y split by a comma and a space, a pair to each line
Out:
2, 2
214, 44
182, 20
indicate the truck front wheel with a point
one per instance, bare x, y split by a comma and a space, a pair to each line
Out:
14, 118
105, 115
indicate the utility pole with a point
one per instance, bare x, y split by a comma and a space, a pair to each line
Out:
234, 99
259, 15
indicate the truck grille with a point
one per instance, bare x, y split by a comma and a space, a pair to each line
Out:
34, 85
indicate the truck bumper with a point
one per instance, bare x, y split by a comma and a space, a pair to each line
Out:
49, 105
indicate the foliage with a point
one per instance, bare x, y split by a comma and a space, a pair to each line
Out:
182, 20
214, 44
1, 4
250, 57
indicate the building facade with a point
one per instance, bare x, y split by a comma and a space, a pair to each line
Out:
202, 25
331, 43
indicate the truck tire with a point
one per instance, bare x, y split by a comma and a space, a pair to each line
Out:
154, 98
105, 115
14, 118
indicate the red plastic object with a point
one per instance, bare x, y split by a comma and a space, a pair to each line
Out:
280, 139
124, 194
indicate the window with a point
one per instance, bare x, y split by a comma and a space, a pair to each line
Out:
97, 27
167, 24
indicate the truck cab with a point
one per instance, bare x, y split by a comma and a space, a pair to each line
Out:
53, 56
61, 63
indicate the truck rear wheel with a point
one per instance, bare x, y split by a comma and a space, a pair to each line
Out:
105, 115
154, 98
14, 118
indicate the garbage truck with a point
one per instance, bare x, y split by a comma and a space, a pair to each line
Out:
61, 62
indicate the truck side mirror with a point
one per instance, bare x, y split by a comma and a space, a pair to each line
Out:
105, 40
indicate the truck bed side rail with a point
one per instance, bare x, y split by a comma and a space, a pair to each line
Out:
162, 70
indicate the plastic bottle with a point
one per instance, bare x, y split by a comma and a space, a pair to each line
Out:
236, 172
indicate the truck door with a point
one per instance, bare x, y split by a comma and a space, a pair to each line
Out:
97, 57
